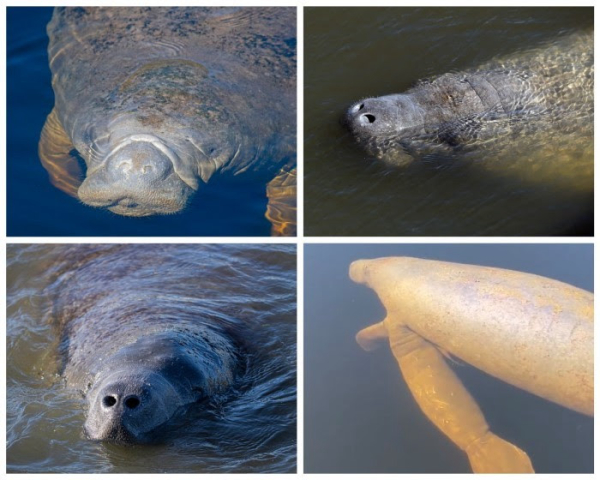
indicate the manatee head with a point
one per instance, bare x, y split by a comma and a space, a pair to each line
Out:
141, 176
149, 144
144, 385
382, 126
127, 405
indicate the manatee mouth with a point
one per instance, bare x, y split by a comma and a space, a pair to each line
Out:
140, 177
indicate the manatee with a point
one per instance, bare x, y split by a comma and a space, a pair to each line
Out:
505, 105
155, 101
532, 332
140, 354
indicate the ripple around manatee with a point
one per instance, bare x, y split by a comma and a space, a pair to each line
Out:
250, 428
237, 202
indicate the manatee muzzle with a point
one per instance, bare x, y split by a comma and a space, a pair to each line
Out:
140, 176
381, 124
359, 271
384, 115
126, 405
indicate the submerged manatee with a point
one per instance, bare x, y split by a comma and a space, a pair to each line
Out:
532, 332
145, 331
527, 97
157, 100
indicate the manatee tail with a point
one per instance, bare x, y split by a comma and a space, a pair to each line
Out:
370, 338
281, 209
492, 454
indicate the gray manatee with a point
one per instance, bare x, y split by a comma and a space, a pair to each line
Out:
140, 354
526, 98
157, 100
532, 332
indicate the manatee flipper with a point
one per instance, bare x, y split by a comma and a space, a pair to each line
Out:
54, 151
492, 454
369, 338
445, 401
281, 209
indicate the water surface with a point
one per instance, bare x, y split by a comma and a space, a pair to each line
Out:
353, 53
251, 427
226, 206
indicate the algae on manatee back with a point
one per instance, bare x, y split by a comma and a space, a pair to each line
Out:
157, 100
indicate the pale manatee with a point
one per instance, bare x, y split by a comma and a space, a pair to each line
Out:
157, 100
532, 332
510, 105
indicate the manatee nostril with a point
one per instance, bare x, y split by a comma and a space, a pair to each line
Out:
367, 118
132, 402
357, 107
147, 169
109, 401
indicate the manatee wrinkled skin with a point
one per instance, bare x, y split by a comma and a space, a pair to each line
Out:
531, 96
140, 357
157, 100
532, 332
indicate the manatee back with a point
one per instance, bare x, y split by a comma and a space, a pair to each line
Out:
530, 92
107, 299
530, 331
557, 79
162, 66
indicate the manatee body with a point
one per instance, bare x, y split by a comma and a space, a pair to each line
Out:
157, 100
532, 332
139, 354
523, 99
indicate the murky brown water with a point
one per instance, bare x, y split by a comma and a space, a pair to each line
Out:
250, 428
542, 186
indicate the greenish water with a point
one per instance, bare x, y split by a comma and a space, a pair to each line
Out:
353, 53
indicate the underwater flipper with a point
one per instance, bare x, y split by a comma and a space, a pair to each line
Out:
492, 454
370, 338
445, 401
281, 209
54, 151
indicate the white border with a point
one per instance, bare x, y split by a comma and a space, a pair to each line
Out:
300, 240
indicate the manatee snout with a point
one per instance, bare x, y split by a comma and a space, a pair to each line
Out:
359, 271
125, 407
137, 179
375, 123
139, 164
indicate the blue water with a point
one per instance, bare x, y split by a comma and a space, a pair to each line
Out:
226, 206
249, 427
360, 417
